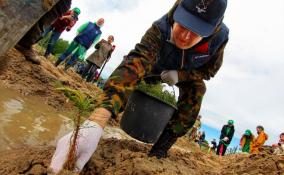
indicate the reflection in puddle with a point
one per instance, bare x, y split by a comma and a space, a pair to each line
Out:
11, 107
28, 121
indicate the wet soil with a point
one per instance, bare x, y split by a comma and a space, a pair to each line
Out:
31, 79
26, 121
117, 154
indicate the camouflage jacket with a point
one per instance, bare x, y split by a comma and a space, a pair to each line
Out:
200, 62
150, 56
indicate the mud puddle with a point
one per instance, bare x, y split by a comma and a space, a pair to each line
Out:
26, 120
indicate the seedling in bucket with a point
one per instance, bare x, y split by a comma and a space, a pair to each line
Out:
147, 112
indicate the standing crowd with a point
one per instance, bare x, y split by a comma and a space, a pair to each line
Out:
88, 35
251, 144
248, 142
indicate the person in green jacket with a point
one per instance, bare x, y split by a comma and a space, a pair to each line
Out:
246, 141
88, 34
226, 137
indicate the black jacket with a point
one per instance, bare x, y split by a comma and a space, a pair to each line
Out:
227, 131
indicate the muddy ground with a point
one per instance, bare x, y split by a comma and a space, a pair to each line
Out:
124, 157
113, 156
31, 79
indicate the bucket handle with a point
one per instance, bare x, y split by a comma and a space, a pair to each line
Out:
174, 90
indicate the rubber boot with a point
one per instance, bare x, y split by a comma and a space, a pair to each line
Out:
164, 143
28, 53
46, 55
57, 62
67, 66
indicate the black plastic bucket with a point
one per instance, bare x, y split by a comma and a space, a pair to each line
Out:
145, 117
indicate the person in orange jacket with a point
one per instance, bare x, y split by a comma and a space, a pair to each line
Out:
247, 141
259, 141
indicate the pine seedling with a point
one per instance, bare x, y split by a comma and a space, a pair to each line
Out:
84, 106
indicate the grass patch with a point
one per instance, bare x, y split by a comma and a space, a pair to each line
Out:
156, 90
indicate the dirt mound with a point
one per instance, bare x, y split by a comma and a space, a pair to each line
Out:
120, 157
123, 157
113, 156
40, 80
254, 164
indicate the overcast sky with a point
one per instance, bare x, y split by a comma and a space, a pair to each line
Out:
248, 88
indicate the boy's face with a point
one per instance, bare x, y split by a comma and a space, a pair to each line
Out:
282, 137
184, 38
100, 22
258, 130
110, 39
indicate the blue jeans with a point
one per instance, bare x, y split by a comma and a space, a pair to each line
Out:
72, 47
47, 30
79, 67
75, 50
53, 39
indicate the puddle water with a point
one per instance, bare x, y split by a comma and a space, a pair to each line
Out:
28, 121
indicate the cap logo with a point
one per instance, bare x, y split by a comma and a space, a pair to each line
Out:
203, 5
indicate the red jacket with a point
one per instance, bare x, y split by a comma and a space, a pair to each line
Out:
62, 23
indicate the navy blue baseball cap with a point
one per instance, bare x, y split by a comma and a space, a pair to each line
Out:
200, 16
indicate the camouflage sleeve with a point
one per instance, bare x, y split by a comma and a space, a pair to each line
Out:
125, 77
207, 71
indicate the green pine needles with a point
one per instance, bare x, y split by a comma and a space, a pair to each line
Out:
85, 106
83, 103
156, 90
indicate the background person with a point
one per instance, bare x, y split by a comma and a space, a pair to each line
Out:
247, 141
88, 34
36, 32
67, 21
279, 147
226, 137
197, 125
259, 141
101, 55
